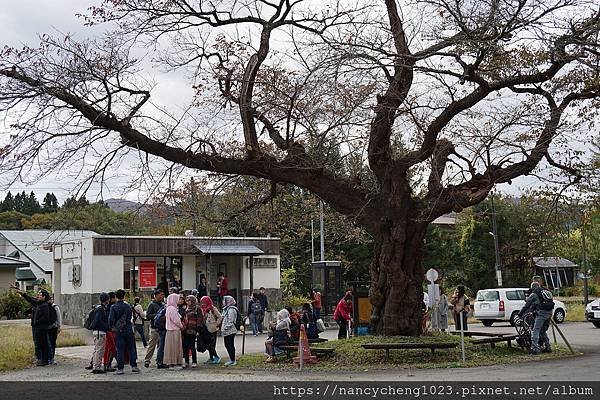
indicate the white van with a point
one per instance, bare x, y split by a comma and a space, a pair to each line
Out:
503, 304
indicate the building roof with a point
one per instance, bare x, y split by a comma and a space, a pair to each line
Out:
187, 237
35, 246
25, 274
180, 245
12, 262
223, 249
553, 262
446, 219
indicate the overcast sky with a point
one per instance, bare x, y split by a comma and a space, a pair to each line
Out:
21, 22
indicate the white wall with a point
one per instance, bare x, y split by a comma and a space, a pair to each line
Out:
78, 257
270, 278
188, 272
57, 281
108, 273
98, 273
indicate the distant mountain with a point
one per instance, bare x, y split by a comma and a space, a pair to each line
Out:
120, 205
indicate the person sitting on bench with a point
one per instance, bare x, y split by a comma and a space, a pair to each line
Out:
279, 336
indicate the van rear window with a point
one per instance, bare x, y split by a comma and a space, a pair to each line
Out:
488, 295
515, 295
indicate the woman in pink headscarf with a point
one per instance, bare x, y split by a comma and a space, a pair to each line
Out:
173, 344
213, 319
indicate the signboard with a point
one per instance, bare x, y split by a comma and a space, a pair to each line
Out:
147, 271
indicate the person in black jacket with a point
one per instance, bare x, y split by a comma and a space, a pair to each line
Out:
203, 287
100, 327
155, 337
119, 320
264, 304
309, 322
40, 321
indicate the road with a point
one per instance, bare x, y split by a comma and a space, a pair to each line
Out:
582, 336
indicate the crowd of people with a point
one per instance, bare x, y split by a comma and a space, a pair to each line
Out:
183, 324
180, 326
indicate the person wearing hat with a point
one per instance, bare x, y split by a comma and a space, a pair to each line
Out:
40, 322
541, 303
157, 303
100, 326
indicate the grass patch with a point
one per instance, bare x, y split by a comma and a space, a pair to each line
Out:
575, 312
16, 346
349, 355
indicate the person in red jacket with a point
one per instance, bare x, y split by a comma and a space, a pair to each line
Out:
342, 315
222, 287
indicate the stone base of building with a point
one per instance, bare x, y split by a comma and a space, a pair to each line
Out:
75, 307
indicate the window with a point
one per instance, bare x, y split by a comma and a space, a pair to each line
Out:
488, 295
515, 295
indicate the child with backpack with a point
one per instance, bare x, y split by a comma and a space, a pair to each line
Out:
192, 323
232, 322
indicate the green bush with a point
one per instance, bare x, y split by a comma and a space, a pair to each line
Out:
573, 291
295, 301
13, 306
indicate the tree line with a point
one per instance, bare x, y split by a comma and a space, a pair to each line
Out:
531, 225
28, 204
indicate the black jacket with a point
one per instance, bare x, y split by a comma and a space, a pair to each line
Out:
40, 317
264, 302
101, 319
202, 290
118, 310
152, 310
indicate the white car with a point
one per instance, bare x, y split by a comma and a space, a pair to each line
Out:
503, 304
592, 312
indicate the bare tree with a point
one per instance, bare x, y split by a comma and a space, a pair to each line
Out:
392, 113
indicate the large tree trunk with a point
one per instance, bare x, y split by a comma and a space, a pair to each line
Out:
396, 279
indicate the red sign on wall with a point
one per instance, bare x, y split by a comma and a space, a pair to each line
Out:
147, 271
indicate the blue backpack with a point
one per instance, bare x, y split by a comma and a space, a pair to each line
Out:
160, 320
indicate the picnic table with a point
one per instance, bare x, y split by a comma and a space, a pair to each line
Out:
403, 346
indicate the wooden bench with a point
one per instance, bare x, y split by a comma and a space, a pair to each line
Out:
485, 334
498, 339
318, 351
311, 341
403, 346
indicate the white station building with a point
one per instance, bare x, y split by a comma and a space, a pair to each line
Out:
86, 267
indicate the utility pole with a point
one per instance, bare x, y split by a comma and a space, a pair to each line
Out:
498, 263
312, 240
194, 205
322, 232
584, 265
